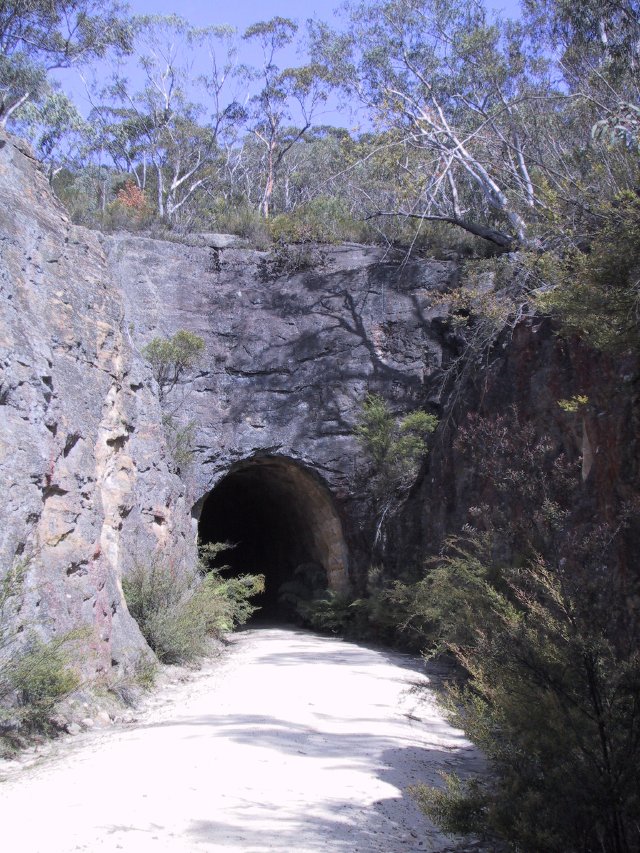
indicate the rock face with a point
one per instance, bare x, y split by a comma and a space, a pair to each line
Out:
521, 382
288, 361
82, 461
257, 446
90, 484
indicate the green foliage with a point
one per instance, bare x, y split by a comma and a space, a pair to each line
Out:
332, 612
574, 404
241, 219
458, 809
545, 627
41, 676
373, 616
34, 675
596, 292
554, 677
325, 219
171, 358
178, 611
307, 600
395, 446
38, 36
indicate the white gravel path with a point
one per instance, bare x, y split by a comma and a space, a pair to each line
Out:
293, 742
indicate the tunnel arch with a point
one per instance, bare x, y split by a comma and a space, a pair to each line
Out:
282, 518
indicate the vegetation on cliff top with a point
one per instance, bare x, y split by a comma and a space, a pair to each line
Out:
514, 135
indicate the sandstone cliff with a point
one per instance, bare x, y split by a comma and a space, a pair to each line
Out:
90, 484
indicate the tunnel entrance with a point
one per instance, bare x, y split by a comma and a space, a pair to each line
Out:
284, 525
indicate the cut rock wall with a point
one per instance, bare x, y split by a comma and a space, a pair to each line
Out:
89, 485
90, 488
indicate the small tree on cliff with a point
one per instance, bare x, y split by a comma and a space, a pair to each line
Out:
171, 358
395, 447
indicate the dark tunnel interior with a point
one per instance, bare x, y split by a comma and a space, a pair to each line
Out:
280, 522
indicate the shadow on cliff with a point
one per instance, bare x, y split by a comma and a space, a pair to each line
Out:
343, 349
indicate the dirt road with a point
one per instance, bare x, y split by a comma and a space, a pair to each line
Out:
293, 742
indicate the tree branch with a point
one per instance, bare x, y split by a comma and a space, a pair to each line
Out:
498, 238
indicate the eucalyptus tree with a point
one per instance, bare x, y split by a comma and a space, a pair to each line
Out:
458, 87
39, 36
160, 133
283, 97
56, 131
597, 45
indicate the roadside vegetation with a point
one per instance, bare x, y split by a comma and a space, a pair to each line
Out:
179, 612
512, 142
34, 675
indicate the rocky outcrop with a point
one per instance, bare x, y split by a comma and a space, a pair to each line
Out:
522, 380
90, 478
288, 361
82, 461
90, 484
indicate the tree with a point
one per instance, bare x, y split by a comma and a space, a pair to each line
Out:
38, 36
56, 130
272, 108
158, 132
171, 358
395, 448
598, 46
456, 86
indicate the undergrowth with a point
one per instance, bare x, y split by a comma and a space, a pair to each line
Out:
178, 612
35, 675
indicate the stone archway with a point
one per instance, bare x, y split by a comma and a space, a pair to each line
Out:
282, 518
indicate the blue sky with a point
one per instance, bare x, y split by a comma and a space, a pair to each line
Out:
240, 14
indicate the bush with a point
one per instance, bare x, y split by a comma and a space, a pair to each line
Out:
458, 809
241, 219
370, 617
596, 289
549, 649
324, 220
395, 446
178, 612
34, 675
40, 678
287, 259
553, 664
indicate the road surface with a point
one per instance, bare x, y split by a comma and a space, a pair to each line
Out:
292, 742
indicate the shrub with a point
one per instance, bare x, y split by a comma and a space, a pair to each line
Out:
287, 259
552, 699
41, 676
596, 289
395, 446
171, 358
458, 809
548, 645
178, 612
34, 675
324, 220
130, 210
